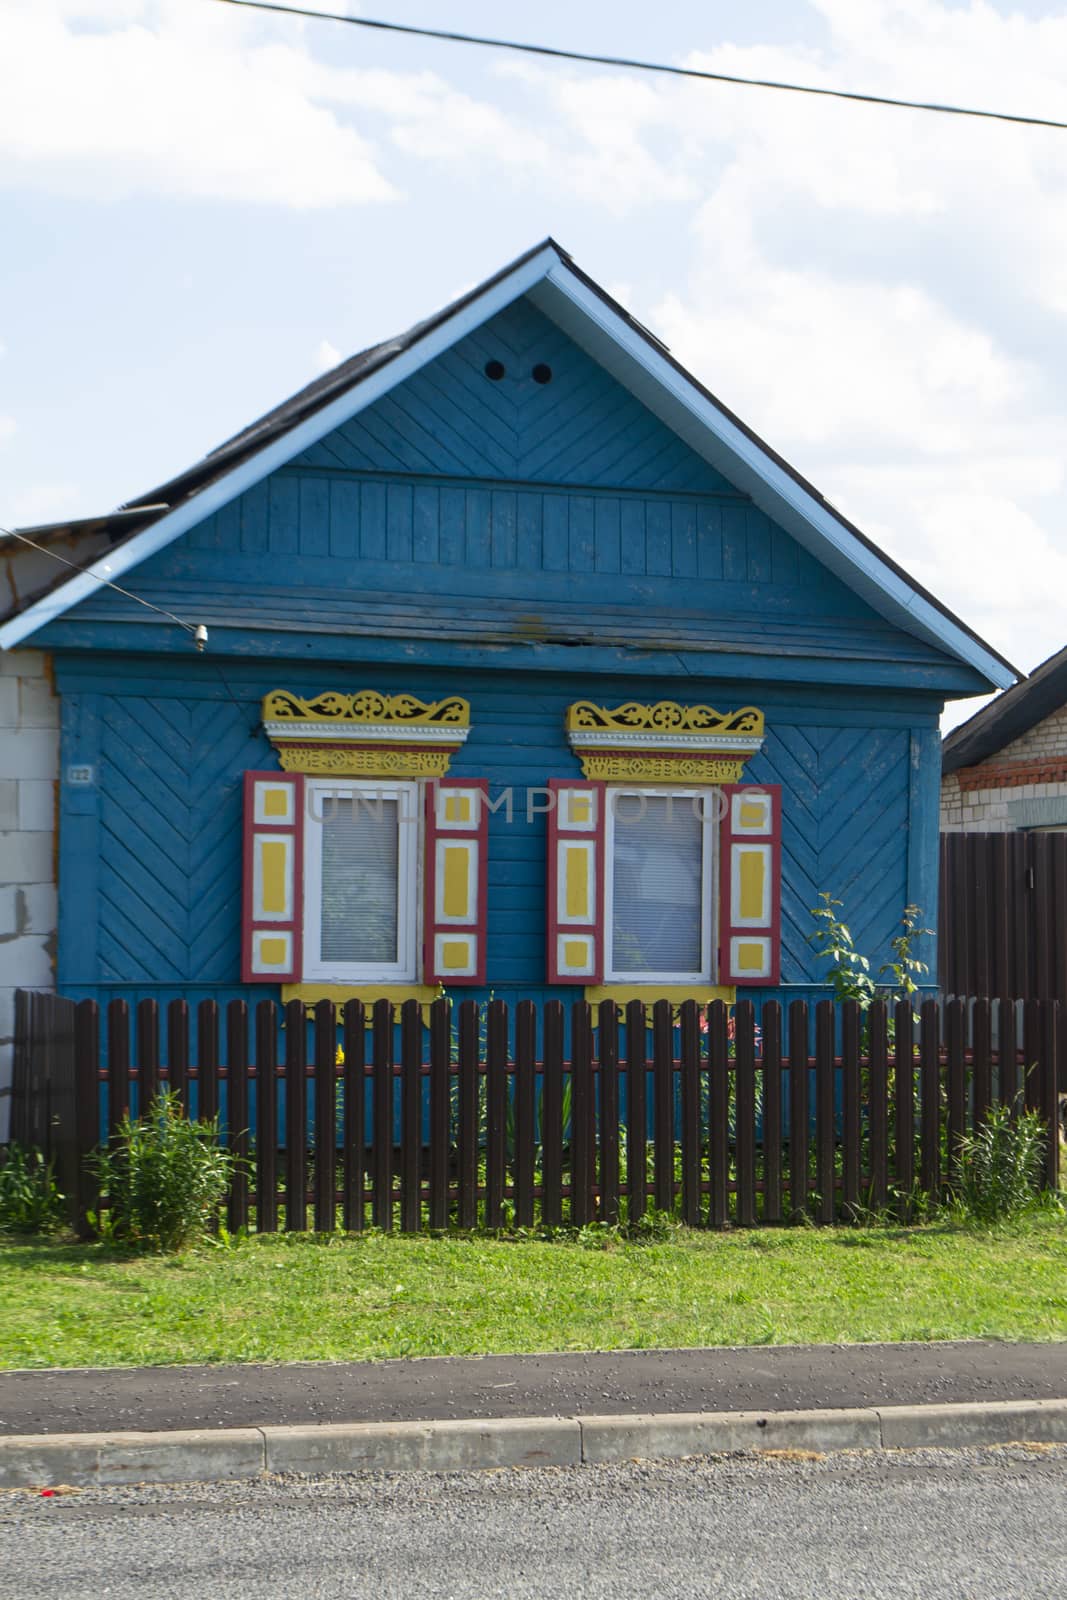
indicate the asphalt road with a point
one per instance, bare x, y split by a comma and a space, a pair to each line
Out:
923, 1525
767, 1378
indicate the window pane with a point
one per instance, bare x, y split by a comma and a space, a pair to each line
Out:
657, 882
360, 850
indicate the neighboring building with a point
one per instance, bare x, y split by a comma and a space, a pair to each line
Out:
488, 607
1005, 770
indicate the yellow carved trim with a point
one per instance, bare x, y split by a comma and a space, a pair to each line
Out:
623, 993
395, 993
665, 716
381, 762
612, 765
367, 706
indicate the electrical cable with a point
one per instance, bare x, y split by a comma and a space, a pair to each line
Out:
198, 631
632, 64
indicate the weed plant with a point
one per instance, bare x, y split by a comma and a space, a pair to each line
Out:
30, 1202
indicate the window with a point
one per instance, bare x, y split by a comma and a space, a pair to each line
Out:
360, 881
658, 885
356, 881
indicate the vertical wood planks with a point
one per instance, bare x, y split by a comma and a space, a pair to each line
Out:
86, 1111
663, 1104
207, 1059
636, 1111
771, 1015
266, 1117
608, 1056
718, 1114
798, 1107
147, 1055
382, 1180
982, 1044
1007, 1050
1049, 1106
440, 1110
118, 1063
957, 1084
178, 1050
745, 1118
930, 1079
904, 1096
877, 1079
355, 1116
690, 1129
295, 1117
468, 1114
237, 1112
1031, 1054
583, 1132
524, 1103
851, 1089
410, 1116
825, 1024
496, 1093
325, 1116
552, 1116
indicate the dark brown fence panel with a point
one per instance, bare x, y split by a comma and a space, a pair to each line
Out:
237, 1110
1003, 918
178, 1050
147, 1055
456, 1139
266, 1117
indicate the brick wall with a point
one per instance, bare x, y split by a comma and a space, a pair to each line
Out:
29, 772
989, 798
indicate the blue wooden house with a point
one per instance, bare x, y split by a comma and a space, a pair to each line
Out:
528, 668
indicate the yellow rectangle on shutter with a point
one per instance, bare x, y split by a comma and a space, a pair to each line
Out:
578, 896
455, 899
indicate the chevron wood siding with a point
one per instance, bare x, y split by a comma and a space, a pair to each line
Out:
159, 835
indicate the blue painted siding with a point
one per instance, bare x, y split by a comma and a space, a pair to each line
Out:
150, 860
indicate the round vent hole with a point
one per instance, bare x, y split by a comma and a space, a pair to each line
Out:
494, 370
542, 373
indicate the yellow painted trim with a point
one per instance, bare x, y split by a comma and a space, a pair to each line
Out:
607, 766
751, 955
456, 886
456, 954
342, 761
274, 876
367, 707
577, 896
276, 802
666, 716
751, 867
273, 951
622, 993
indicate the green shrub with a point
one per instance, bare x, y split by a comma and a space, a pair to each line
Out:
1001, 1165
165, 1177
29, 1199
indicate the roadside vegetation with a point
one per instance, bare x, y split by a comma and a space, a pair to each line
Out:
332, 1297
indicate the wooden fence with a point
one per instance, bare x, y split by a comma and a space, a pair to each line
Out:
474, 1117
1003, 922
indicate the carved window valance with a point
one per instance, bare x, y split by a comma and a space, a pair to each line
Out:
663, 742
366, 734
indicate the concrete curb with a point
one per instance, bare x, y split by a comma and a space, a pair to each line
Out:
211, 1455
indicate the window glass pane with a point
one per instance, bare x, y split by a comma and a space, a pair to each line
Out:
657, 882
360, 851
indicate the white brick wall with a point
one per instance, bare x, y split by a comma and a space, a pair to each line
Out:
989, 810
1048, 738
29, 774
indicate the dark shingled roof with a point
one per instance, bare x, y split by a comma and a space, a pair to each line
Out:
1007, 716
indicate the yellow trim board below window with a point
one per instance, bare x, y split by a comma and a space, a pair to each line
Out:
396, 993
623, 993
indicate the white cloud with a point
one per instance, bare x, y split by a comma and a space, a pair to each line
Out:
39, 503
7, 428
118, 97
326, 356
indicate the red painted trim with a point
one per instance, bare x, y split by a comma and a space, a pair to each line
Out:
728, 929
295, 926
1045, 769
553, 929
480, 925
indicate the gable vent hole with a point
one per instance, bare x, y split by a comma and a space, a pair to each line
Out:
494, 370
542, 373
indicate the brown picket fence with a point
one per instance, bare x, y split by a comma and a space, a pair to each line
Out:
477, 1116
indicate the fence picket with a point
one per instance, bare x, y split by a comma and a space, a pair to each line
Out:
877, 1087
325, 1036
440, 1110
930, 1081
771, 1025
552, 1115
718, 1114
851, 1090
663, 1105
690, 1119
237, 1111
582, 1130
608, 1058
207, 1059
496, 1100
825, 1076
295, 1116
524, 1103
904, 1098
266, 1117
636, 1110
382, 1194
410, 1115
355, 1118
178, 1050
745, 1111
468, 1114
798, 1107
118, 1064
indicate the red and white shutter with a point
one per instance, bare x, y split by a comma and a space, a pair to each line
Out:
575, 920
456, 858
272, 909
750, 876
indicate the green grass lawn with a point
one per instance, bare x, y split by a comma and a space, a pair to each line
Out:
306, 1298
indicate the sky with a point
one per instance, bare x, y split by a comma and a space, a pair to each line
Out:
201, 209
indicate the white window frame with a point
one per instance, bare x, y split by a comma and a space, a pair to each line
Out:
708, 877
405, 968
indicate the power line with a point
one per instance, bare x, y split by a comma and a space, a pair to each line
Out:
632, 64
198, 631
